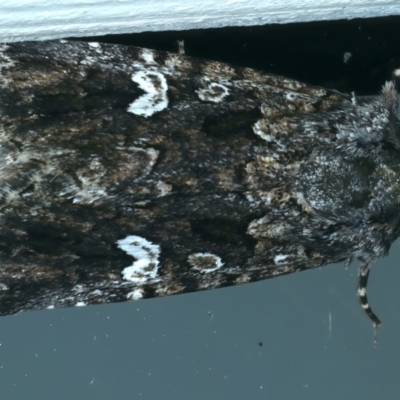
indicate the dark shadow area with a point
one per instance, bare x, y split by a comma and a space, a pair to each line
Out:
348, 55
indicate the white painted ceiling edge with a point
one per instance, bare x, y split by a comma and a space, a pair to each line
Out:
50, 19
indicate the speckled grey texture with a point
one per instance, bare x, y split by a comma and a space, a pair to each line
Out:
130, 173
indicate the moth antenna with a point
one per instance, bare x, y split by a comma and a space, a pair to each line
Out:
181, 47
389, 94
353, 98
362, 294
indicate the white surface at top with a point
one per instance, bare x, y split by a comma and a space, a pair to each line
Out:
50, 19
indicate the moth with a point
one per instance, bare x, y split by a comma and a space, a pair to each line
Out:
128, 173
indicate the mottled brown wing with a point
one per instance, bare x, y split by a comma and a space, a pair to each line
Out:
129, 173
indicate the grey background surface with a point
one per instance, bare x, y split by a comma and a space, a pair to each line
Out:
207, 345
302, 336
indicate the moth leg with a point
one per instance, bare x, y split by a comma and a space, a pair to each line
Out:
348, 262
362, 294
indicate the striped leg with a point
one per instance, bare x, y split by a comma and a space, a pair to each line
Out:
362, 294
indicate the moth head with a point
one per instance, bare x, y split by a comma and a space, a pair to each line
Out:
390, 98
391, 101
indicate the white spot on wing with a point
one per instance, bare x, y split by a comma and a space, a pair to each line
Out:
205, 262
279, 258
147, 56
5, 63
155, 98
146, 254
215, 92
135, 294
258, 129
164, 188
3, 286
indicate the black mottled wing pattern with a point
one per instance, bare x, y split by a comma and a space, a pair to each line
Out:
129, 173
